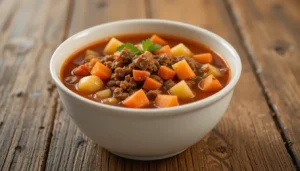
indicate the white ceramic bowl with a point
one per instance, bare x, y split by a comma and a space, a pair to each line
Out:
145, 134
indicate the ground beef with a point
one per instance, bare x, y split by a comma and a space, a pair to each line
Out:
113, 83
128, 84
116, 64
193, 82
157, 78
108, 64
121, 72
146, 62
152, 94
168, 84
125, 56
165, 59
119, 94
72, 79
107, 58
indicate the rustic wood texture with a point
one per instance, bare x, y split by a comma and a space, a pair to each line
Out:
30, 31
37, 134
271, 31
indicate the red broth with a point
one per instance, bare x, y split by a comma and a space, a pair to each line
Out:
77, 58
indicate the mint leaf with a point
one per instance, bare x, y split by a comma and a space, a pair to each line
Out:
134, 50
148, 45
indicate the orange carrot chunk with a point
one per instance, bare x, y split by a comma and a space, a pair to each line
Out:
157, 40
210, 84
139, 75
101, 71
93, 61
137, 100
151, 84
165, 49
183, 70
82, 70
204, 58
166, 73
163, 101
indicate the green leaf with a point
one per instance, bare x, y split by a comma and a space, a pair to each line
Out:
134, 50
148, 45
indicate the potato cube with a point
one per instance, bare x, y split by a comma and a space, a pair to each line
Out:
181, 50
103, 93
90, 84
209, 69
112, 46
182, 90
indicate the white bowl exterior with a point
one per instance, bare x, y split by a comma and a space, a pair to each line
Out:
145, 133
144, 137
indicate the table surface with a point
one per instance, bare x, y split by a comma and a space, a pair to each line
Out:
260, 130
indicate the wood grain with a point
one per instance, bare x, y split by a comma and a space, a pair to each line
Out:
30, 31
245, 139
273, 41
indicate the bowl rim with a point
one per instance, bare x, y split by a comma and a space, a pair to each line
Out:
153, 111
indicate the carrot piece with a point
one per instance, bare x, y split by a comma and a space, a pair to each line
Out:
82, 70
163, 100
165, 49
210, 84
101, 71
151, 84
140, 75
204, 58
93, 61
157, 40
166, 72
183, 70
137, 100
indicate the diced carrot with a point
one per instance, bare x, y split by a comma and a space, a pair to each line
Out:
163, 100
137, 100
93, 61
210, 84
166, 72
204, 58
101, 71
165, 49
151, 84
140, 75
183, 70
157, 40
82, 70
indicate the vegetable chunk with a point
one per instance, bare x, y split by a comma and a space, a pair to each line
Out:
157, 40
181, 50
166, 73
101, 71
82, 70
165, 49
211, 70
137, 100
90, 84
182, 90
151, 84
104, 93
163, 100
112, 46
204, 58
210, 84
139, 75
183, 70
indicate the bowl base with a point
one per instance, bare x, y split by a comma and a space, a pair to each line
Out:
147, 158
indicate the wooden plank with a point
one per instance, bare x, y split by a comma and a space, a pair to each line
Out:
246, 138
273, 41
30, 31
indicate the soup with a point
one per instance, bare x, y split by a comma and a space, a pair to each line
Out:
145, 71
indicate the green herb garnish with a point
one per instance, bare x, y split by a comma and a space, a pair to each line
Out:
134, 50
147, 45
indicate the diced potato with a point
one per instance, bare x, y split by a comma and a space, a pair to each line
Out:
103, 93
91, 53
210, 69
182, 90
181, 50
112, 46
90, 84
110, 100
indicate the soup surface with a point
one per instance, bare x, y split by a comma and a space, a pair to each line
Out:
145, 71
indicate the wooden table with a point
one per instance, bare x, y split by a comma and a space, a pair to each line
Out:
260, 130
